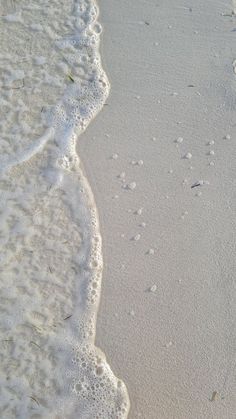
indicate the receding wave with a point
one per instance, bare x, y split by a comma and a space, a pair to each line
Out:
52, 85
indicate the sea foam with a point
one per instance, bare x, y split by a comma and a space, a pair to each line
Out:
52, 85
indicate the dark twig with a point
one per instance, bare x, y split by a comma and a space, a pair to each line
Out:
195, 185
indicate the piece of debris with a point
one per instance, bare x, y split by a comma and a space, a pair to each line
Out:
35, 400
213, 397
70, 78
68, 317
195, 185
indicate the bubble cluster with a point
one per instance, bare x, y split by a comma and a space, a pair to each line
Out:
94, 391
51, 251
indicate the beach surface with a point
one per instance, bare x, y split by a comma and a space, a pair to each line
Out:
161, 162
129, 215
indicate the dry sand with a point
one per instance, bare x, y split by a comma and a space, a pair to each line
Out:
171, 68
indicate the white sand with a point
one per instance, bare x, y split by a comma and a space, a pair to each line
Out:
167, 315
170, 64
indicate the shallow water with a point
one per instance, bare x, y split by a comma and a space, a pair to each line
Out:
52, 86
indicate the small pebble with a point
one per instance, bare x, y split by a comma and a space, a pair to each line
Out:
227, 137
188, 156
211, 142
140, 163
132, 313
151, 251
139, 211
169, 344
137, 237
131, 186
143, 225
122, 175
184, 214
153, 288
154, 139
211, 153
114, 156
179, 140
170, 171
211, 163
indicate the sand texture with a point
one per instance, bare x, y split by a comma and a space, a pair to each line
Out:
172, 106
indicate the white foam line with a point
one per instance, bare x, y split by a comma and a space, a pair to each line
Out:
27, 154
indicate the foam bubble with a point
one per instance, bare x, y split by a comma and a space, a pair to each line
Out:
14, 18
